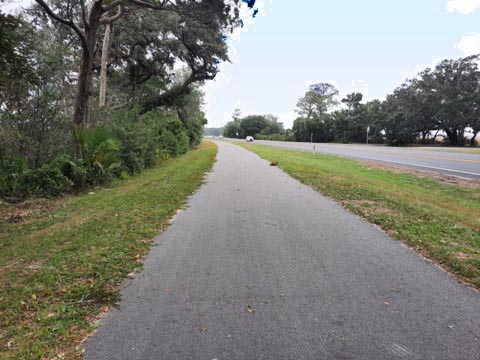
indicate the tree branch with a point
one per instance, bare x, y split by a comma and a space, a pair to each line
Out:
84, 15
148, 4
113, 18
68, 23
142, 3
113, 5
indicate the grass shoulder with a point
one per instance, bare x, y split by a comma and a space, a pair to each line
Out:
440, 221
62, 262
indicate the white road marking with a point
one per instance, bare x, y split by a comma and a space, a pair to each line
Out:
401, 351
410, 164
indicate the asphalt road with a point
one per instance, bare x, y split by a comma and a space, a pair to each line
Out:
260, 266
458, 163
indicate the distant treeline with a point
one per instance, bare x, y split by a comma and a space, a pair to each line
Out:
213, 131
439, 105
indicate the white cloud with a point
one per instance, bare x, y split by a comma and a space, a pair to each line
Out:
463, 6
470, 44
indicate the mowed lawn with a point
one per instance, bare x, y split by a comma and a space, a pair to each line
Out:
440, 221
63, 261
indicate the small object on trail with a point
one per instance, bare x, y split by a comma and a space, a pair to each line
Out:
250, 310
203, 329
274, 163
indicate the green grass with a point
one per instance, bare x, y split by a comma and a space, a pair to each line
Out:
62, 262
441, 221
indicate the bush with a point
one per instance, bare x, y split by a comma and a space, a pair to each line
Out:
99, 154
47, 181
16, 180
171, 136
12, 173
125, 145
138, 141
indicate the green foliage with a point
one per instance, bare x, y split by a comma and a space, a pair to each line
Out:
126, 144
319, 129
17, 44
317, 100
138, 138
17, 181
99, 153
253, 125
232, 129
12, 173
48, 180
33, 122
172, 137
446, 98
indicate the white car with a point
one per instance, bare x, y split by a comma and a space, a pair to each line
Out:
249, 139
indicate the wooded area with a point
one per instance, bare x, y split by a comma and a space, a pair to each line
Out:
91, 90
439, 105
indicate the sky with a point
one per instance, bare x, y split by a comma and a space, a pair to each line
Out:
370, 46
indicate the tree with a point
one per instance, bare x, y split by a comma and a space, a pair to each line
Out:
17, 64
448, 89
232, 129
273, 127
398, 124
252, 125
319, 129
375, 114
33, 125
353, 100
85, 19
317, 100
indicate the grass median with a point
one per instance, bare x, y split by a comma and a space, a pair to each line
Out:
440, 221
62, 262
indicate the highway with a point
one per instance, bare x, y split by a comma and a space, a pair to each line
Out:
262, 267
452, 163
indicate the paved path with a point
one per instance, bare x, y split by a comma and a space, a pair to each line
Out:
458, 163
262, 267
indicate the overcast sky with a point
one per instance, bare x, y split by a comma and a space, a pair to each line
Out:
369, 46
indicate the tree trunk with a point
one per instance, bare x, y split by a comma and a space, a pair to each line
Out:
452, 136
103, 73
472, 140
85, 71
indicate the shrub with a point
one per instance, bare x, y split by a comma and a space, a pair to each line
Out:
47, 181
171, 136
12, 173
16, 180
138, 141
99, 154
